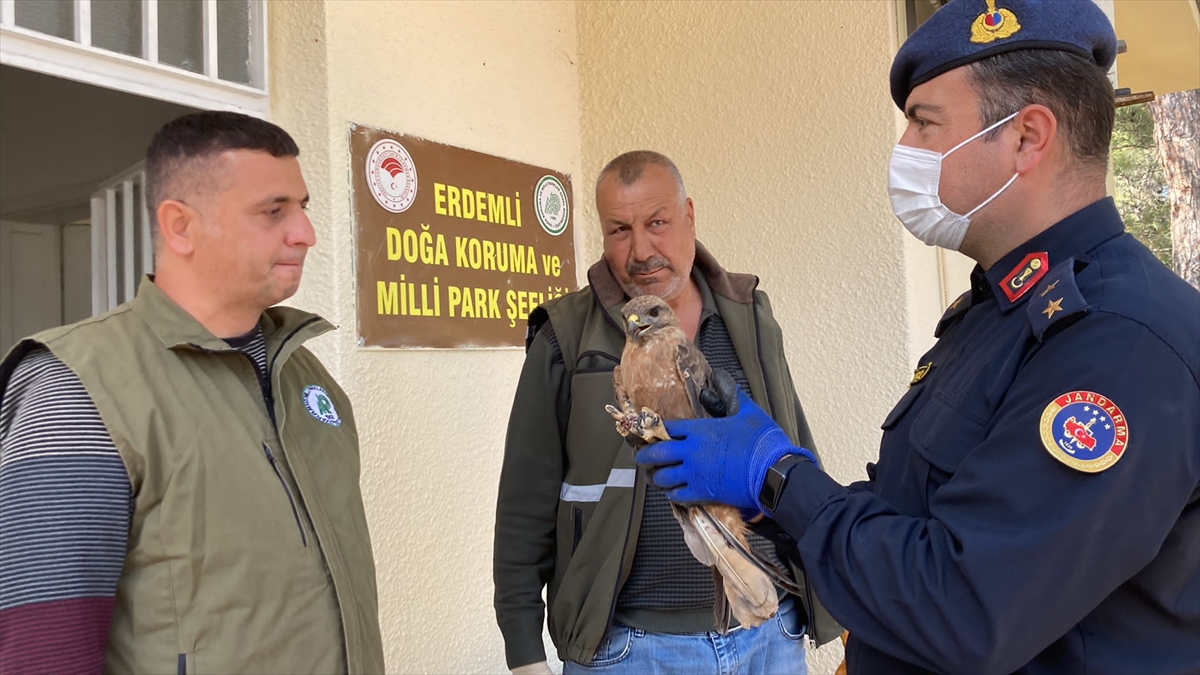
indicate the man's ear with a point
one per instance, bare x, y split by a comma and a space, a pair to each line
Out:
177, 223
1038, 129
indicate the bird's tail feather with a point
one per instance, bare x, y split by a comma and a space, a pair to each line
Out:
722, 612
750, 593
778, 576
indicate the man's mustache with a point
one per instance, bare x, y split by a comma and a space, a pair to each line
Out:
647, 266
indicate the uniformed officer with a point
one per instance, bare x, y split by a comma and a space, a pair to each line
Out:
1035, 506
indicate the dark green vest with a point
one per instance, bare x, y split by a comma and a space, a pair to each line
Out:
248, 546
596, 538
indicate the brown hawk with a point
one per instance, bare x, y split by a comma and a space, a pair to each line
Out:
664, 376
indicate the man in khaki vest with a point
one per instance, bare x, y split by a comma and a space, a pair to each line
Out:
179, 477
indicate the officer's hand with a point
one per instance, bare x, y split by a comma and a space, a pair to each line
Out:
719, 460
539, 668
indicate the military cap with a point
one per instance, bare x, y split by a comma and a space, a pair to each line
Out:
965, 31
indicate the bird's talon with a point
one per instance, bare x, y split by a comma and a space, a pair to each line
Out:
627, 421
649, 419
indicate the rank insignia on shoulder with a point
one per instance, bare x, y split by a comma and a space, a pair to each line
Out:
1057, 298
1025, 275
1085, 431
953, 312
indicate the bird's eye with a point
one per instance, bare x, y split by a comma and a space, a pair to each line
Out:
654, 312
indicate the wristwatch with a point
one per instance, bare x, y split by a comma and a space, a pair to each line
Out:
776, 479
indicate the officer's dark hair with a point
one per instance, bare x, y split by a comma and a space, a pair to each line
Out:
178, 158
628, 168
1075, 89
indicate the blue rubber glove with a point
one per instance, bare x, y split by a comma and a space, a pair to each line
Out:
719, 460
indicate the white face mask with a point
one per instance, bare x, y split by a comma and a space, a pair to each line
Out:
913, 176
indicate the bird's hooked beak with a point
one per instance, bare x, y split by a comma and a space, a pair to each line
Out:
634, 326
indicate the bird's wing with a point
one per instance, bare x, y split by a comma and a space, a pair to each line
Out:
702, 548
619, 388
748, 593
694, 373
777, 575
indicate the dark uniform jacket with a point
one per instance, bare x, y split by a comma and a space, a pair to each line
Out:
1035, 507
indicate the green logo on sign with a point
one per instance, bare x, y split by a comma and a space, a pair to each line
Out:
551, 205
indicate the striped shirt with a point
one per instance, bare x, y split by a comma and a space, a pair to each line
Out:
66, 505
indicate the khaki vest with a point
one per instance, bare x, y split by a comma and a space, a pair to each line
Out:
248, 546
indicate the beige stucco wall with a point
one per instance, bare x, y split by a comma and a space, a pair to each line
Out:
779, 117
497, 77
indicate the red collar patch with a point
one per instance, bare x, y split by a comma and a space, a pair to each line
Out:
1025, 275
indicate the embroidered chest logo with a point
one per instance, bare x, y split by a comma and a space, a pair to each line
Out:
1085, 431
320, 406
994, 24
1025, 276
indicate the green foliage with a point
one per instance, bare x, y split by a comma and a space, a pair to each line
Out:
1141, 186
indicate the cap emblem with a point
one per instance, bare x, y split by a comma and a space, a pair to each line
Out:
994, 24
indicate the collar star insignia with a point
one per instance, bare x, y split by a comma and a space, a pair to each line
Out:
956, 303
1049, 288
1052, 307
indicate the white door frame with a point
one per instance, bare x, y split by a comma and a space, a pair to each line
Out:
122, 245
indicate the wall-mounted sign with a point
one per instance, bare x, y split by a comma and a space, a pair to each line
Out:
454, 248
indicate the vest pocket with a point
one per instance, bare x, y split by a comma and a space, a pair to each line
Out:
288, 492
577, 517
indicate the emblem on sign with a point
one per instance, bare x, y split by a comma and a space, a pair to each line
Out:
994, 24
391, 176
320, 406
1085, 431
551, 205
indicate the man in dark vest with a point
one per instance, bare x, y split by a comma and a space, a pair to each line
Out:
179, 477
573, 515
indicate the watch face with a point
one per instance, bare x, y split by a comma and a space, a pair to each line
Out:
775, 480
769, 495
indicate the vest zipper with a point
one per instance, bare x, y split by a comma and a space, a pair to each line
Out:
284, 341
286, 491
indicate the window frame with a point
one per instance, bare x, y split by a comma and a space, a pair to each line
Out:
79, 60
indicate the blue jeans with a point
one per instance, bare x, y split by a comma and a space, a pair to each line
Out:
774, 648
